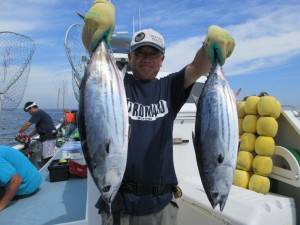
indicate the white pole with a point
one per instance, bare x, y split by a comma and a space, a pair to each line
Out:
64, 92
1, 97
58, 95
140, 20
63, 95
133, 26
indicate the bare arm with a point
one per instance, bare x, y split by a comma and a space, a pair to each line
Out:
199, 67
11, 191
25, 127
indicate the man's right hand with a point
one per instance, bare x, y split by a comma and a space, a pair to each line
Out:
19, 137
99, 24
23, 138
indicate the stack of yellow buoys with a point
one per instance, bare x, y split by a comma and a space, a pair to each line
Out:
258, 127
247, 114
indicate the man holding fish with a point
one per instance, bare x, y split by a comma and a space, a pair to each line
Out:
143, 186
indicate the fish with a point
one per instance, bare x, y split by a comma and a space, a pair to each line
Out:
103, 122
216, 137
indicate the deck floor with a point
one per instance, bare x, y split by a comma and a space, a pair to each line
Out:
54, 203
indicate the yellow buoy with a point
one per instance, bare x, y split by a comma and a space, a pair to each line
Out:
262, 165
268, 106
249, 123
278, 112
241, 109
259, 184
264, 146
267, 126
251, 105
241, 178
244, 160
240, 126
247, 142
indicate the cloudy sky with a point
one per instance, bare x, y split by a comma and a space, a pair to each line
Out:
267, 34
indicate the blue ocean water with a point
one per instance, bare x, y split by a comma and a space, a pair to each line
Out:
11, 121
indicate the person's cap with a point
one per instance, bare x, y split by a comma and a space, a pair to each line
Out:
29, 105
147, 37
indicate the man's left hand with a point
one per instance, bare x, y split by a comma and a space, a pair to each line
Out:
218, 45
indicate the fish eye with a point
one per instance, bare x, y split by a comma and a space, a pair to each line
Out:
220, 158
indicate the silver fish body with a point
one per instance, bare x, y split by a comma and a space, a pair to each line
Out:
103, 122
216, 137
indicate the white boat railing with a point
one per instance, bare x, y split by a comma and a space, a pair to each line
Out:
287, 170
286, 166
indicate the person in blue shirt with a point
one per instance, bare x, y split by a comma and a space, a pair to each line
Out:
18, 177
146, 196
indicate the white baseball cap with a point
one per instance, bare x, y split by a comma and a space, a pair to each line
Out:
29, 105
147, 37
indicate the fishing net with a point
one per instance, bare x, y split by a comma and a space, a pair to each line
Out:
75, 85
16, 52
78, 57
13, 96
76, 54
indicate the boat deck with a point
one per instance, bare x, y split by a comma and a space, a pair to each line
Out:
54, 203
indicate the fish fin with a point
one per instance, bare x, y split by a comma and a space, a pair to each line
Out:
129, 132
238, 92
195, 99
80, 15
123, 71
107, 148
83, 81
193, 137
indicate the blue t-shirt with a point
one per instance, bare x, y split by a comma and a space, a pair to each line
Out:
152, 107
13, 162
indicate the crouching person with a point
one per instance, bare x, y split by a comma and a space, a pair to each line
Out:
18, 177
44, 126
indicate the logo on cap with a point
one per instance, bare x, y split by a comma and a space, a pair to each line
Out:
139, 37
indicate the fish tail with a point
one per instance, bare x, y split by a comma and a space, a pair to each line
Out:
222, 204
107, 218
